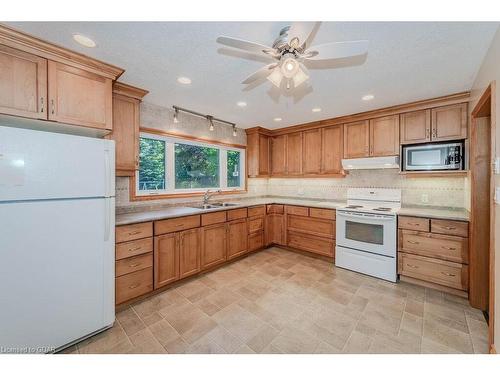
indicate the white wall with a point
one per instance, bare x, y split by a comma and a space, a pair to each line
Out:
490, 71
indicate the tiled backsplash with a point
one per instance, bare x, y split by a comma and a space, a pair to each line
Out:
445, 192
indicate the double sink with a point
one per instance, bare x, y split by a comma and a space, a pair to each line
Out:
214, 205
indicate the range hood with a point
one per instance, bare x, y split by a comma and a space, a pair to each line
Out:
381, 162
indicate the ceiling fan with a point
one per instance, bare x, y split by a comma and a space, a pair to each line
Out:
291, 50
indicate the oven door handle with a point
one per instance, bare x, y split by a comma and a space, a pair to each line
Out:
365, 216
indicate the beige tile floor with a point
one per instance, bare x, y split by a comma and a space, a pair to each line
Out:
277, 301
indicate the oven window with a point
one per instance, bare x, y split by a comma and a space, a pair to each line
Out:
361, 232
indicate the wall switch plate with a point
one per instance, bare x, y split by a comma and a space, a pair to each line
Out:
496, 166
300, 191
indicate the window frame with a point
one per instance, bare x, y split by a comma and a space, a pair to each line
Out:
170, 190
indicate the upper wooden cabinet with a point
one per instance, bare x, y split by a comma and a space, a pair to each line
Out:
449, 123
434, 125
23, 84
79, 97
415, 127
384, 136
357, 140
294, 154
312, 151
332, 147
258, 152
278, 155
126, 122
44, 81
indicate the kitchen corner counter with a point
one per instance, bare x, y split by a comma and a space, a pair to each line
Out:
435, 212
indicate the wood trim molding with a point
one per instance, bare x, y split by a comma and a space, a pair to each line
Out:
28, 43
124, 89
493, 350
190, 137
457, 98
259, 130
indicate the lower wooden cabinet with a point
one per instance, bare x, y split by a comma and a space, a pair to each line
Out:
255, 241
166, 259
275, 229
189, 252
214, 245
133, 285
311, 243
237, 240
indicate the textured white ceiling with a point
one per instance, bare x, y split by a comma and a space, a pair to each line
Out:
405, 62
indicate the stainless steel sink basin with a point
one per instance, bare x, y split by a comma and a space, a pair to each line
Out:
214, 205
224, 204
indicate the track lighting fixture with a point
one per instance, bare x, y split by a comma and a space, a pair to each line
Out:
234, 130
176, 115
211, 123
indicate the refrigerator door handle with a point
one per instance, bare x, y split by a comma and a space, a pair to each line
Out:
107, 219
107, 176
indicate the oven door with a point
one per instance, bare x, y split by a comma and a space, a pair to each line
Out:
373, 233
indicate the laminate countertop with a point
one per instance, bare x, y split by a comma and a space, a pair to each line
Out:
170, 212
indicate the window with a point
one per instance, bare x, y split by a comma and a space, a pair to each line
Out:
168, 165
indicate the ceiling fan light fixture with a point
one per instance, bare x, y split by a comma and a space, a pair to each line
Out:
299, 78
275, 77
289, 67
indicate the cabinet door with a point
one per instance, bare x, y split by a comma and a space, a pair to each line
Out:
213, 247
126, 134
278, 155
237, 238
263, 155
79, 97
415, 127
189, 252
275, 229
331, 149
23, 84
312, 151
166, 259
384, 136
356, 140
294, 154
449, 123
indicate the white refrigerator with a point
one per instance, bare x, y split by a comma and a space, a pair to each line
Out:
57, 216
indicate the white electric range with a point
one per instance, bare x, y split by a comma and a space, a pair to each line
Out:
366, 232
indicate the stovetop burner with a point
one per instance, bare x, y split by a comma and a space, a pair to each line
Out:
353, 206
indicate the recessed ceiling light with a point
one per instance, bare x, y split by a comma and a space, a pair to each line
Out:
84, 40
368, 97
241, 104
277, 119
317, 109
184, 80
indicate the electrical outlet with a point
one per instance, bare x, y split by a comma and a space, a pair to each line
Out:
300, 192
424, 198
497, 195
496, 168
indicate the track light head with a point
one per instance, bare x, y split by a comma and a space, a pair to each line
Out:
176, 115
234, 130
210, 123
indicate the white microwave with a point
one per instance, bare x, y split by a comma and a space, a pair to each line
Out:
433, 157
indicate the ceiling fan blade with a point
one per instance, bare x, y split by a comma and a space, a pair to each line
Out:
304, 32
337, 50
261, 73
245, 45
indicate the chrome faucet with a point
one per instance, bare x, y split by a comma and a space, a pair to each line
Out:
208, 195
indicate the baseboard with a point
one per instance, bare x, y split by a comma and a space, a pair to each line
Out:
428, 284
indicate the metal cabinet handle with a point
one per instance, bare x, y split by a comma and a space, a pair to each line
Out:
434, 133
134, 233
450, 228
53, 107
448, 274
42, 104
411, 265
448, 248
427, 133
135, 249
415, 224
413, 242
134, 265
134, 286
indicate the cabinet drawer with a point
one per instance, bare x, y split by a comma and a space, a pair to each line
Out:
455, 228
133, 248
453, 275
213, 218
312, 226
275, 209
133, 285
256, 224
129, 265
311, 243
256, 211
255, 241
297, 210
239, 213
452, 248
414, 223
177, 224
322, 213
131, 232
